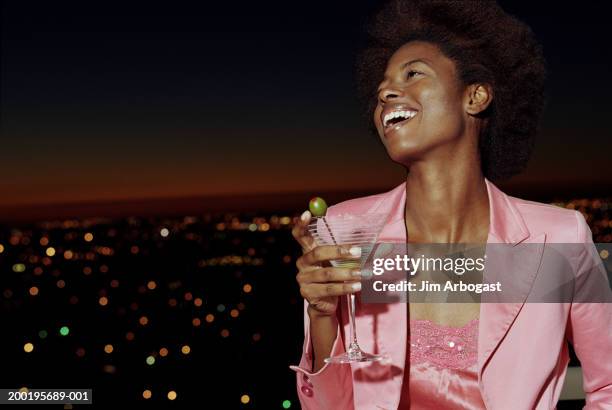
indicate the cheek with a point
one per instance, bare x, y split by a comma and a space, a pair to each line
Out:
442, 112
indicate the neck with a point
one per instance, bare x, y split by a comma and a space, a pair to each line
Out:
446, 203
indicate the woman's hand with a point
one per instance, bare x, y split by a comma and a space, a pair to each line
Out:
320, 283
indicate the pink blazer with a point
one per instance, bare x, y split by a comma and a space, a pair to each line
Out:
522, 347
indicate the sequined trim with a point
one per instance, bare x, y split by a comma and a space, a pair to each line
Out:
444, 346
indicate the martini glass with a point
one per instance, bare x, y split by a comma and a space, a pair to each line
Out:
356, 230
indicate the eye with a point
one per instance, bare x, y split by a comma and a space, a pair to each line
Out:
412, 73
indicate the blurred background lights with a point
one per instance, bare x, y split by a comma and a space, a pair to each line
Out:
64, 330
28, 347
286, 404
50, 251
164, 232
147, 394
185, 349
171, 395
245, 399
19, 267
150, 360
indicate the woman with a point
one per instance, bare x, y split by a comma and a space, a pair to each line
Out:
455, 90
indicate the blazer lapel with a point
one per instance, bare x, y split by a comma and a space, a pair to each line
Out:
515, 266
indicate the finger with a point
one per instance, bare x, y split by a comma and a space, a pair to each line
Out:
329, 274
300, 224
321, 290
301, 234
326, 253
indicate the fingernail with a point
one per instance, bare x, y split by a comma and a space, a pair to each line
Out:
356, 273
305, 216
356, 286
355, 251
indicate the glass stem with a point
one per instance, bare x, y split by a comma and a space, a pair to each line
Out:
354, 350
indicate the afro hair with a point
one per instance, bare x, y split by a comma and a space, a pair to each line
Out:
487, 45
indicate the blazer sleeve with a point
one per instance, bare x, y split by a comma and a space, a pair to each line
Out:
591, 322
329, 388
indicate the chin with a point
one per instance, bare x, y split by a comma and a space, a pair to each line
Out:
403, 161
404, 157
404, 152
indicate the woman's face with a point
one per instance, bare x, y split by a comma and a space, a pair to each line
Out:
420, 108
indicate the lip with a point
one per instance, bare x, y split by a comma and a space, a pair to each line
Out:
397, 126
396, 107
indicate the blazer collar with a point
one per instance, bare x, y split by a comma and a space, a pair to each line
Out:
506, 225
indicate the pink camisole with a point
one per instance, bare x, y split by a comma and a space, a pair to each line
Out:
443, 366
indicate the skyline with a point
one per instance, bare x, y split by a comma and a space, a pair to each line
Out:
128, 104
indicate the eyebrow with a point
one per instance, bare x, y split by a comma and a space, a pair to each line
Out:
418, 60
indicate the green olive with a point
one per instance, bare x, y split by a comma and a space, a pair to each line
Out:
317, 206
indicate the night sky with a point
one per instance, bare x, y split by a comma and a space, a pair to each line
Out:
103, 100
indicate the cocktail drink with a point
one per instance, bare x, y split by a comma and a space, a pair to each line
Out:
357, 230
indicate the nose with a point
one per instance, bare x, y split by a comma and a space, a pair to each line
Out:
388, 93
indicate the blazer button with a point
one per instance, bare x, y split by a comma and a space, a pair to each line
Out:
307, 391
307, 381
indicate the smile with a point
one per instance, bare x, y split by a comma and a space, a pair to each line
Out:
396, 119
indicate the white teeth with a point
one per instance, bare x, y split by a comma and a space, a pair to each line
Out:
395, 114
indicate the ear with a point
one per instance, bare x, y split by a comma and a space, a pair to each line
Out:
478, 98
